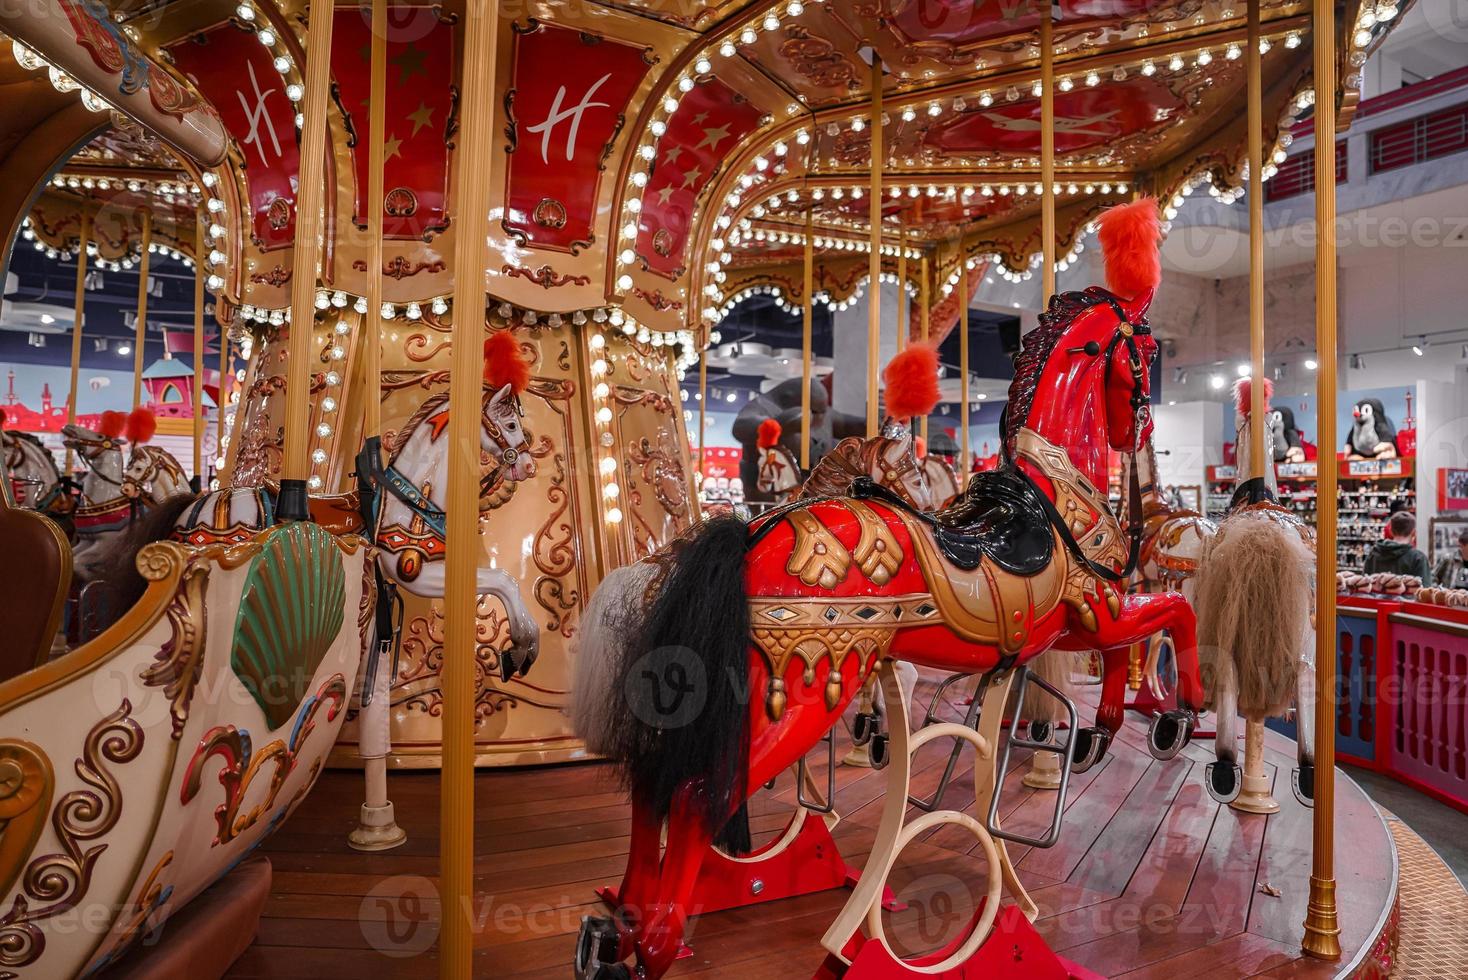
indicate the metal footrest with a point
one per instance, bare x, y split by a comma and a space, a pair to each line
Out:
970, 720
1063, 749
815, 806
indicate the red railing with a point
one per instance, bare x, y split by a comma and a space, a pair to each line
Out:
1437, 134
1296, 175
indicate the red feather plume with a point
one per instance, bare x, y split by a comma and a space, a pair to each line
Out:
141, 424
1243, 392
912, 382
920, 447
1129, 237
504, 364
769, 434
112, 424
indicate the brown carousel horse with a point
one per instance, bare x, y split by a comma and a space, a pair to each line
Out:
757, 637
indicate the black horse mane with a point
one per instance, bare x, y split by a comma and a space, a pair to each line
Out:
1035, 351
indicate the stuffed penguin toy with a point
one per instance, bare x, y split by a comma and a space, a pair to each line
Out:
1372, 434
1287, 445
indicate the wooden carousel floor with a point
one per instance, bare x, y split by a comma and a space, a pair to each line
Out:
1150, 879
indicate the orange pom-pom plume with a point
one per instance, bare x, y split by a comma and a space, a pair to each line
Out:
920, 447
912, 382
769, 434
1129, 243
141, 424
112, 424
1243, 393
504, 364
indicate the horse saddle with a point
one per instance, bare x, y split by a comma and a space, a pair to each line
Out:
1000, 516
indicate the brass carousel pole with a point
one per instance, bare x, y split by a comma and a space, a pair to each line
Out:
223, 398
1047, 158
901, 286
79, 309
140, 334
923, 313
1255, 796
1322, 927
377, 827
703, 394
805, 342
874, 263
965, 455
198, 391
471, 257
310, 197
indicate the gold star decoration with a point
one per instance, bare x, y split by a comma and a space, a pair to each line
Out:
420, 117
664, 194
690, 178
392, 147
712, 137
410, 62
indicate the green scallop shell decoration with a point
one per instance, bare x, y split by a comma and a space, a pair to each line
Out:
291, 610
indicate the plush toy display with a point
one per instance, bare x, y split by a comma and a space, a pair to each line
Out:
1287, 445
1372, 434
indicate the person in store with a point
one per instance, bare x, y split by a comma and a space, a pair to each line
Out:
1452, 571
1395, 553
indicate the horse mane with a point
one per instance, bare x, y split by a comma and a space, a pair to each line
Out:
1035, 350
164, 460
35, 440
429, 408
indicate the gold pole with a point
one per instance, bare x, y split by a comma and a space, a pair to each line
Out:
140, 334
923, 314
310, 197
224, 380
376, 149
964, 455
1254, 66
198, 392
78, 315
703, 395
805, 342
901, 286
471, 257
1047, 158
874, 263
1322, 928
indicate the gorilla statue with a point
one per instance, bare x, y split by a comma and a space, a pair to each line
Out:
782, 403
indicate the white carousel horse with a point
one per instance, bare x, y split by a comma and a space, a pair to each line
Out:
779, 472
942, 478
1256, 618
114, 491
34, 478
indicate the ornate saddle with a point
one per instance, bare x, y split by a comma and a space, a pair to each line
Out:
1001, 515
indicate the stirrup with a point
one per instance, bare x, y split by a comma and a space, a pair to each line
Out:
1063, 749
970, 720
815, 806
596, 949
1303, 783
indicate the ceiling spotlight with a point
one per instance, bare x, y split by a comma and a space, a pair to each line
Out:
36, 339
99, 344
1215, 381
1243, 370
124, 349
1418, 348
1311, 364
1357, 362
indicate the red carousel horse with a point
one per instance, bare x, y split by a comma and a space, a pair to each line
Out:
757, 637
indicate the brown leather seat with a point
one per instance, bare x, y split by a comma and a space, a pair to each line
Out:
38, 560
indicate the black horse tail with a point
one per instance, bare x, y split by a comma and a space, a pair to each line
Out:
682, 679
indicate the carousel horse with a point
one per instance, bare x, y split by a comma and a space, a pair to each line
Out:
779, 472
115, 491
34, 479
1256, 608
942, 478
756, 637
887, 460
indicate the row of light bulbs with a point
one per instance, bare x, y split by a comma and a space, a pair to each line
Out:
167, 189
60, 80
601, 393
280, 58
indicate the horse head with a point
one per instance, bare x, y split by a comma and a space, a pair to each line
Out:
502, 434
895, 465
100, 449
152, 474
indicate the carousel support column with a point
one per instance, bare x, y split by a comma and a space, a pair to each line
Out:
965, 455
1255, 793
197, 396
923, 313
309, 228
224, 380
140, 334
77, 317
377, 826
1322, 926
901, 287
703, 399
874, 263
471, 257
1047, 163
805, 342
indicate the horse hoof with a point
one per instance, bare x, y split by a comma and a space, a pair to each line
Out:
1224, 779
878, 751
1087, 747
613, 971
1169, 734
1304, 784
596, 949
507, 666
1040, 731
863, 727
527, 664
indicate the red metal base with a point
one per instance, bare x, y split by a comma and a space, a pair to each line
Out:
1013, 950
811, 863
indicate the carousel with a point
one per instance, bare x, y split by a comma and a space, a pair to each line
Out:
392, 629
